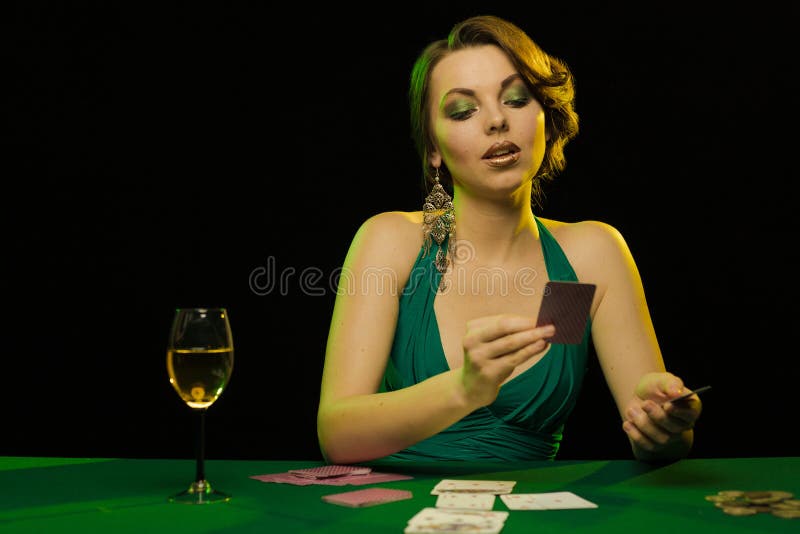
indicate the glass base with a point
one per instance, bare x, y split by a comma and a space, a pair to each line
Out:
200, 492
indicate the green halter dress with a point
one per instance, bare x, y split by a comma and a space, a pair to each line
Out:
526, 420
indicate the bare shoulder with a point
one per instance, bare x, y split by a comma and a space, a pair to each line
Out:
590, 245
389, 238
590, 231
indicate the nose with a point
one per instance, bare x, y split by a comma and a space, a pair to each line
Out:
496, 122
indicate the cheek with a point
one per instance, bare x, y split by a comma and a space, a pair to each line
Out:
456, 142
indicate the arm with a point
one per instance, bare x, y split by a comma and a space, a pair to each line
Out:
629, 355
354, 422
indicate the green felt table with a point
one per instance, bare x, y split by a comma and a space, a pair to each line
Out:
86, 495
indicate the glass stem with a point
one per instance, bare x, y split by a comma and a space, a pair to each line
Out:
201, 447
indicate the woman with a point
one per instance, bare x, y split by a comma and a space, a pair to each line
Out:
433, 351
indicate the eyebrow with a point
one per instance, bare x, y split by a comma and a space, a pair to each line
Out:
469, 92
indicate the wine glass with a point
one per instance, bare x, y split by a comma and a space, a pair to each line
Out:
199, 363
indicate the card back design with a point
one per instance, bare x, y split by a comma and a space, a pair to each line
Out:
566, 305
367, 497
327, 471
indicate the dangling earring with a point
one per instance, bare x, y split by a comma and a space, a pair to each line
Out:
439, 221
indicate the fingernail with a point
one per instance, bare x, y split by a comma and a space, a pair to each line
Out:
626, 426
549, 329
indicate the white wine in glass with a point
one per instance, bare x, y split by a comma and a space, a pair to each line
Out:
199, 364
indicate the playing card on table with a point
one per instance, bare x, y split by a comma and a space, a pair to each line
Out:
367, 497
327, 471
331, 475
496, 487
558, 500
467, 501
359, 480
431, 520
285, 478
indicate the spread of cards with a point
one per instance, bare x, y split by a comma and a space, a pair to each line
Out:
467, 506
461, 505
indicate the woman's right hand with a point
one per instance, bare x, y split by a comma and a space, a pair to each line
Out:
493, 347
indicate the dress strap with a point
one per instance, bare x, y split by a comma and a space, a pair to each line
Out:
558, 266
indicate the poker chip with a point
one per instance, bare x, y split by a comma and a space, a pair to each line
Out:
736, 502
787, 514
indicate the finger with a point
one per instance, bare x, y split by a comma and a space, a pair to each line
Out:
647, 426
659, 386
637, 437
523, 354
670, 385
501, 325
663, 420
501, 368
512, 343
683, 403
687, 410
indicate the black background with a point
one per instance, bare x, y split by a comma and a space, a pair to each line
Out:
156, 156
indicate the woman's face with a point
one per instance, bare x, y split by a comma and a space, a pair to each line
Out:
487, 127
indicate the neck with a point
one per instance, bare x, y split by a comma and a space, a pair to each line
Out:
496, 230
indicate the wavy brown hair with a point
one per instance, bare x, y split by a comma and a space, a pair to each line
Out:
547, 77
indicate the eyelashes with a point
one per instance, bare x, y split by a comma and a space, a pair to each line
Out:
519, 102
464, 111
462, 114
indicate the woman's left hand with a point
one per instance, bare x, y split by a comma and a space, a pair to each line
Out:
651, 422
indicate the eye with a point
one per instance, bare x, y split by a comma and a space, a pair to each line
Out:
518, 102
460, 111
517, 97
462, 115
